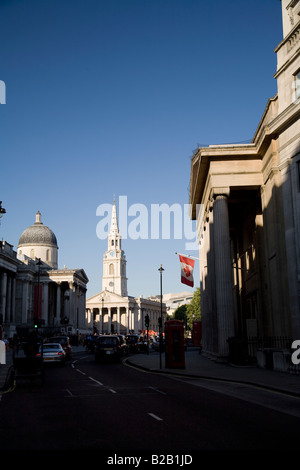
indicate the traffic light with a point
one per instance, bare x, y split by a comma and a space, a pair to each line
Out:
160, 322
147, 321
37, 322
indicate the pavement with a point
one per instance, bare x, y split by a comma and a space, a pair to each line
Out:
196, 366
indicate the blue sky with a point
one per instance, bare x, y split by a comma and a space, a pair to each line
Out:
112, 97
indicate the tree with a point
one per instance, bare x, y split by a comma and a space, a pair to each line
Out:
193, 311
180, 313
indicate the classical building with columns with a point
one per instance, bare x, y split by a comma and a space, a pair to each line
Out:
32, 287
113, 310
246, 200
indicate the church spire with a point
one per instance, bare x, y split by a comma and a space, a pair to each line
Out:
114, 261
114, 229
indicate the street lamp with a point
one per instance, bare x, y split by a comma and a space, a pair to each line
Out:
2, 210
37, 320
161, 269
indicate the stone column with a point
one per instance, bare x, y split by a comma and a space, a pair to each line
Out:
109, 321
58, 300
127, 320
223, 274
24, 301
118, 320
100, 320
45, 303
3, 295
13, 304
8, 307
71, 306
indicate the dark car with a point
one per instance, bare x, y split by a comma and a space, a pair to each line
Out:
91, 342
65, 343
123, 344
108, 348
26, 363
134, 343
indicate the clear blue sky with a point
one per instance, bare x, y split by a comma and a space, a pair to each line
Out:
112, 97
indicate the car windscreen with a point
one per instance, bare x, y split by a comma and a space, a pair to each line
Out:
107, 342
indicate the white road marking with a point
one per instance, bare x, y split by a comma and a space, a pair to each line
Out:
157, 390
97, 381
155, 417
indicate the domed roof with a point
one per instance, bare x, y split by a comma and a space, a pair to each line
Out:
38, 234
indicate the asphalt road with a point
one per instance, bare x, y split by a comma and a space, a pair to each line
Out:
116, 409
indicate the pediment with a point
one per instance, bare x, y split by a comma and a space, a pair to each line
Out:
107, 296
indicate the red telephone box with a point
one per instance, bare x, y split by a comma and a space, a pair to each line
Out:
197, 333
174, 337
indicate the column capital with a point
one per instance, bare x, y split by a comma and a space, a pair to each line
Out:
220, 192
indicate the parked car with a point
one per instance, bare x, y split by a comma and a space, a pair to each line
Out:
26, 363
124, 345
52, 353
64, 341
108, 348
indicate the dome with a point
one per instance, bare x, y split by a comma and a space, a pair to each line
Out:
38, 234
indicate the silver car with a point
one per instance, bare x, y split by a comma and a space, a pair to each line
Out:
53, 353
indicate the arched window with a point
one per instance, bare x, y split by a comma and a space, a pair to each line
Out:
111, 269
32, 253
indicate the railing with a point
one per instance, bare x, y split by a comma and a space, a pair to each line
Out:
264, 342
242, 350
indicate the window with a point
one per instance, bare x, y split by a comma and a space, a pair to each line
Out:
297, 85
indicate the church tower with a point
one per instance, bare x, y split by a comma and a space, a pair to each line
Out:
114, 260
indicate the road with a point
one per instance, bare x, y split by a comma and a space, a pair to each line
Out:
117, 409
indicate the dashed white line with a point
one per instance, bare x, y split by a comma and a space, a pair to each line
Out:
155, 417
97, 381
80, 371
111, 390
157, 390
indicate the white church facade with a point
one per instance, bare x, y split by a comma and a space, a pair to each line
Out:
112, 310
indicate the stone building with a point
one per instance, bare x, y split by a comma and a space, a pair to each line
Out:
33, 288
246, 200
113, 310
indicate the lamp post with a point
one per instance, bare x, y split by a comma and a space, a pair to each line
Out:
37, 319
2, 210
161, 269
